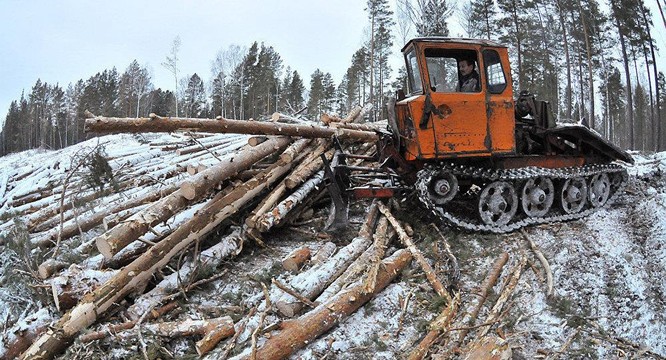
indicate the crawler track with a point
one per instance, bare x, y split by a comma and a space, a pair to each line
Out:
462, 211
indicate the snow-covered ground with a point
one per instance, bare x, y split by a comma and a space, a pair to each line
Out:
608, 269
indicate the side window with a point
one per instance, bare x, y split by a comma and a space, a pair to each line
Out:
415, 84
494, 72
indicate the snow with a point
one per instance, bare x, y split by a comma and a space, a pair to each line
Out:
608, 268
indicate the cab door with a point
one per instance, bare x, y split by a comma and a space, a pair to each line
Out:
458, 119
500, 107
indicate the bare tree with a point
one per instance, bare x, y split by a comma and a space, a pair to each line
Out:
171, 63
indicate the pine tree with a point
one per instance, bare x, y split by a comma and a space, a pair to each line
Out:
194, 99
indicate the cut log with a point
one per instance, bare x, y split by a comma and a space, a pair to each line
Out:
420, 259
112, 220
311, 283
509, 286
208, 261
214, 336
480, 297
440, 325
198, 185
141, 270
71, 285
122, 235
274, 217
295, 334
163, 124
187, 327
296, 259
114, 328
277, 117
323, 253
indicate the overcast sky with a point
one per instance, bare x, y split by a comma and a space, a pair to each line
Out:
67, 40
62, 41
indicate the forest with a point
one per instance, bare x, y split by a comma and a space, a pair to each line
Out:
594, 61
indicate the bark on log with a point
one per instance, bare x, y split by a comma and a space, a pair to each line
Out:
214, 336
114, 328
198, 185
296, 259
440, 325
489, 348
70, 286
274, 217
181, 328
209, 259
480, 298
277, 117
298, 333
162, 124
323, 253
136, 274
120, 236
509, 286
19, 337
429, 272
313, 282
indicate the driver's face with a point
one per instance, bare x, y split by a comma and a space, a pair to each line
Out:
465, 68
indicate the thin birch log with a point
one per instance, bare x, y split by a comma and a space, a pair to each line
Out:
114, 328
323, 253
136, 274
298, 333
479, 298
402, 235
274, 217
211, 258
309, 167
187, 327
543, 261
122, 235
163, 124
509, 286
296, 259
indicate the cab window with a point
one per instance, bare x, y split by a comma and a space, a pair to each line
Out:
443, 70
494, 72
414, 76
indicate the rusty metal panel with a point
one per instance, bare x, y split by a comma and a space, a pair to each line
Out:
550, 162
383, 193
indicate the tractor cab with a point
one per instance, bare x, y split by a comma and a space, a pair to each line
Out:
447, 110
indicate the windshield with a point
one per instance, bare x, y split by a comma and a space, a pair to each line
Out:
413, 74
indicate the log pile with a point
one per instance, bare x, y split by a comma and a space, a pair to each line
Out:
180, 207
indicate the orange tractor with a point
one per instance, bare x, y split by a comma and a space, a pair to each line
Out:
480, 159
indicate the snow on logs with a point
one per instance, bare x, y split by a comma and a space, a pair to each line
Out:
136, 275
123, 234
101, 124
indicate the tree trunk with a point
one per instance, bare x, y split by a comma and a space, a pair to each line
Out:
122, 235
159, 124
298, 333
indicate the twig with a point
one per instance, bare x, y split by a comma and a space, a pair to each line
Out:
565, 346
544, 262
294, 293
255, 333
405, 304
